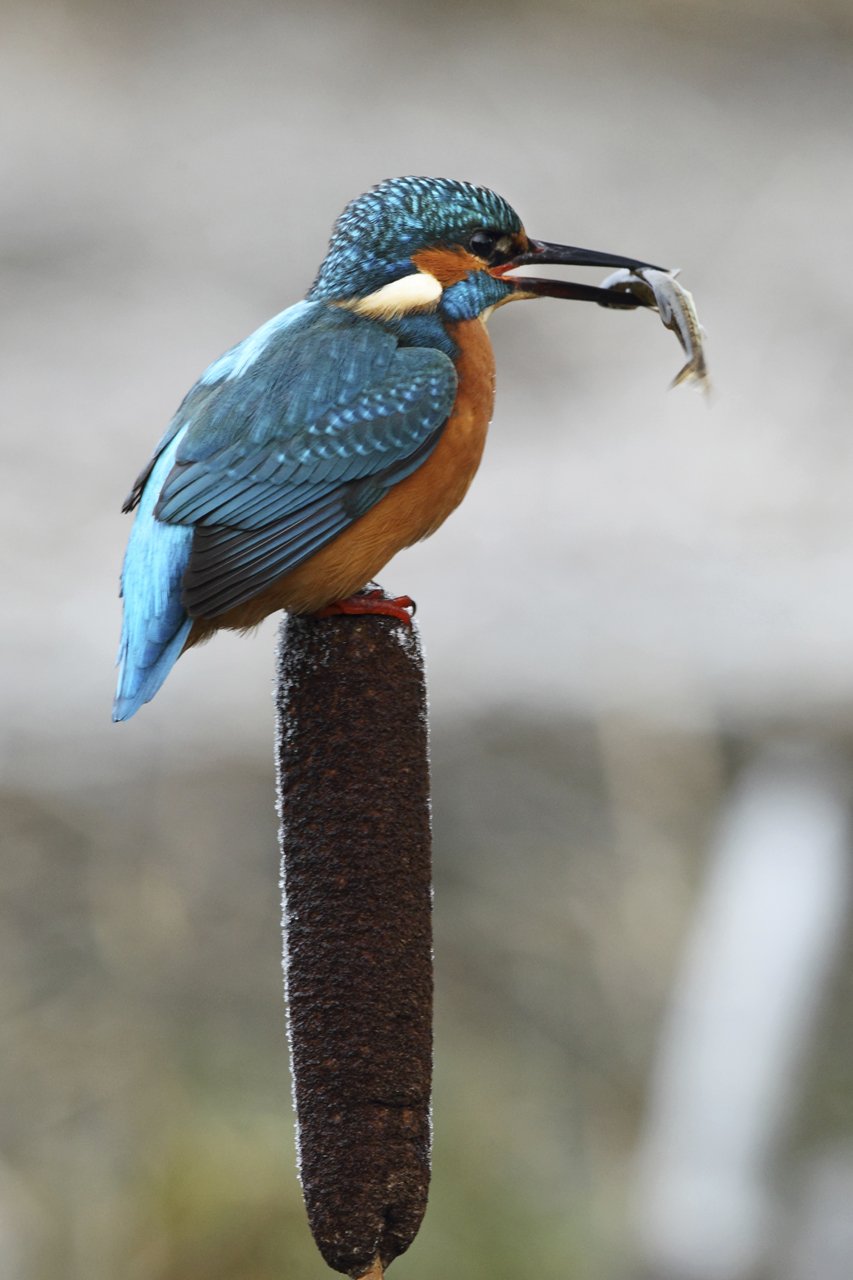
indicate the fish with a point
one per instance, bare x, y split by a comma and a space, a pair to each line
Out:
661, 292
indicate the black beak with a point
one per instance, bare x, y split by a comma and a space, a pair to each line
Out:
543, 254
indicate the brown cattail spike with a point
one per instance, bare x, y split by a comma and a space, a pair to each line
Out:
354, 807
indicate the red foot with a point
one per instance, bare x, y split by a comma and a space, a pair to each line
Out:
375, 601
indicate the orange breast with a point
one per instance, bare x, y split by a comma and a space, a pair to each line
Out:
412, 510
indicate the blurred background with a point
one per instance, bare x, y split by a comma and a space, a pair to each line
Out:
639, 631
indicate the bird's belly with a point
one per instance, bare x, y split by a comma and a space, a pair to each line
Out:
412, 510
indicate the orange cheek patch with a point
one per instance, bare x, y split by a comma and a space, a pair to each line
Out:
449, 266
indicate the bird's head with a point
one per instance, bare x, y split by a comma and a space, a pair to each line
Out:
415, 245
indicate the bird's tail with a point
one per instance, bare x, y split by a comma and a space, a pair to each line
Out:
156, 624
143, 665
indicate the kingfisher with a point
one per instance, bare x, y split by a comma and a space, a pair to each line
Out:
344, 429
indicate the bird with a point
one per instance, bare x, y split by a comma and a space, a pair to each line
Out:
347, 427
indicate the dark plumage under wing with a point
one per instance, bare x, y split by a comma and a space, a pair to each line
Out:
295, 448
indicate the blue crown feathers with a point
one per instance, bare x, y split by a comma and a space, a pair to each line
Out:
374, 238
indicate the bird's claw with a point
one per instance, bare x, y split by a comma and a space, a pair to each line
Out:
374, 601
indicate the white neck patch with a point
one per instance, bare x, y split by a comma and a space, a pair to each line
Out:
419, 291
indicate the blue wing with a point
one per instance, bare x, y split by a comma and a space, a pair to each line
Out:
283, 443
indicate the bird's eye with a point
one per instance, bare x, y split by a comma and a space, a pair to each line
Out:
492, 246
482, 243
